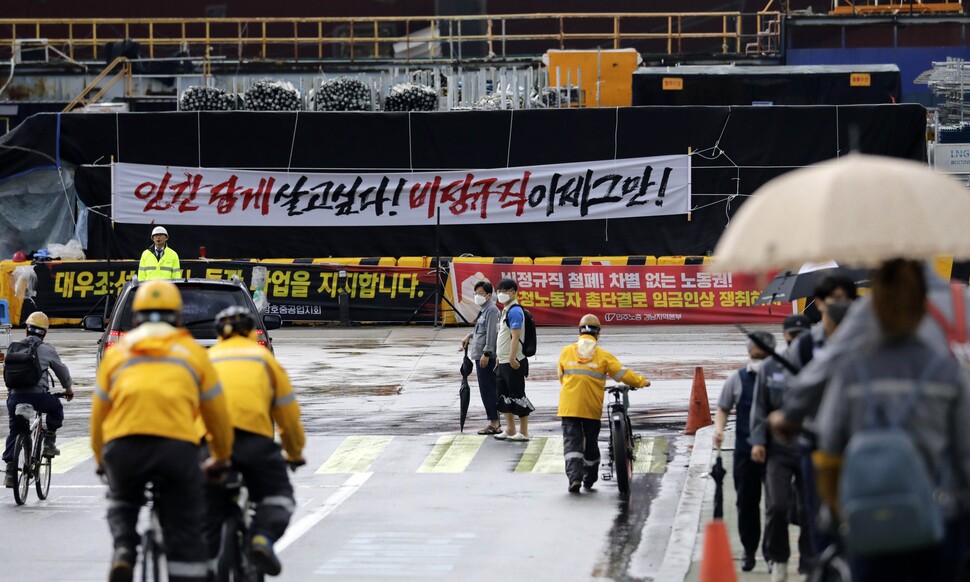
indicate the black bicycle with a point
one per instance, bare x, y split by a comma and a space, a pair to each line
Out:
29, 461
152, 563
621, 439
234, 563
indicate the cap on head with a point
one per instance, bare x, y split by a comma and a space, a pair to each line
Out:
234, 320
795, 324
159, 230
589, 324
38, 319
764, 337
157, 295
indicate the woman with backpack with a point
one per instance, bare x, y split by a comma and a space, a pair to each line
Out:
894, 443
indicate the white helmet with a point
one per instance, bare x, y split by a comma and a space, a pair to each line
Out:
159, 230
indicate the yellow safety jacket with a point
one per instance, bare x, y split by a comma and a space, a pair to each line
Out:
584, 381
151, 268
259, 392
157, 381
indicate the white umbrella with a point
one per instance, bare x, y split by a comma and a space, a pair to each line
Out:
858, 210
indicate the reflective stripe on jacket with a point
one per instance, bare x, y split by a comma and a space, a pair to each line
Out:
151, 268
156, 381
584, 381
258, 392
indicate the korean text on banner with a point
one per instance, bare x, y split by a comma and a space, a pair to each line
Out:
624, 188
622, 295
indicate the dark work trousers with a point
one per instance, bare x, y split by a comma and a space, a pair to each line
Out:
42, 402
581, 449
487, 387
260, 461
939, 563
748, 480
818, 539
172, 466
510, 382
783, 482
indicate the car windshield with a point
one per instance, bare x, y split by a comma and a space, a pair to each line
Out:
200, 304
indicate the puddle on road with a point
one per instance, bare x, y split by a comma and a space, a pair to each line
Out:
358, 390
624, 535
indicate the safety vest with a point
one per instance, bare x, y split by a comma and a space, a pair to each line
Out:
151, 268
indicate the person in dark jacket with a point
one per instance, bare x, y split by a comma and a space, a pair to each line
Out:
482, 343
781, 459
738, 394
39, 396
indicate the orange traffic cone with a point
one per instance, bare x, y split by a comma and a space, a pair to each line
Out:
699, 414
717, 564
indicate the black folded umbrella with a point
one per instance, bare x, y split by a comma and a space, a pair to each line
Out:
464, 392
718, 472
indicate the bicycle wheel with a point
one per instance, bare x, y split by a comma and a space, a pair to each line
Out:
228, 561
622, 459
22, 462
42, 480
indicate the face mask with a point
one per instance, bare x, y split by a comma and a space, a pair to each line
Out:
503, 297
586, 346
480, 299
755, 365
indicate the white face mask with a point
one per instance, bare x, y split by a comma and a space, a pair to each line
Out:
503, 297
480, 299
755, 365
586, 347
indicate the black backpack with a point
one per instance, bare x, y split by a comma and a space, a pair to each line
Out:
21, 366
528, 339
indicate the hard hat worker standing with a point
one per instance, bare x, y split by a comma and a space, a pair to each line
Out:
38, 395
159, 261
583, 370
258, 392
151, 387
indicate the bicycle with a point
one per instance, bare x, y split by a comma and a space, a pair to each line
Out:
151, 560
234, 562
29, 460
621, 439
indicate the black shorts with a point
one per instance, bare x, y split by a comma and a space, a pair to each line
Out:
511, 382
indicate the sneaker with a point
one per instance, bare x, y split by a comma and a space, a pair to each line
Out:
502, 436
518, 437
588, 484
10, 476
779, 572
50, 449
122, 565
747, 562
264, 558
574, 486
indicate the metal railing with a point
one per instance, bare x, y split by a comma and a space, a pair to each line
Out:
93, 92
399, 39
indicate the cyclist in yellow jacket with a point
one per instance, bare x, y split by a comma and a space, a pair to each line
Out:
259, 393
151, 387
583, 370
159, 261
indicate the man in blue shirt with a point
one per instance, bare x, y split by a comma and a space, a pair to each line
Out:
513, 367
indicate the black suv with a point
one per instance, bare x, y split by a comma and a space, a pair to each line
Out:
202, 299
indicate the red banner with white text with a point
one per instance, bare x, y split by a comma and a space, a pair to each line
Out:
619, 294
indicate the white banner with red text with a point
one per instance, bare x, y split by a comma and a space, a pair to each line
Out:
626, 188
620, 294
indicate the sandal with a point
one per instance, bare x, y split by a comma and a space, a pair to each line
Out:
490, 430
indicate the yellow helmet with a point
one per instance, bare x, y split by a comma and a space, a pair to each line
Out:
38, 319
157, 295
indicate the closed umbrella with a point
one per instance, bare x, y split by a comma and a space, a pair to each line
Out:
464, 392
793, 285
858, 210
718, 472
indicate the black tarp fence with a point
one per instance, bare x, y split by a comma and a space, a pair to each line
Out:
736, 150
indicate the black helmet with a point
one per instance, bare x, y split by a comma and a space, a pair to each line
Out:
235, 320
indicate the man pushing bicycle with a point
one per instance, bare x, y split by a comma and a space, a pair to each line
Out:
583, 370
259, 393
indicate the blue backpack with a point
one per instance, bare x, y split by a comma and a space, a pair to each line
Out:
885, 494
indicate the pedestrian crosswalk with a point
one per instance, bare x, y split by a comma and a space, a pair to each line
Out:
450, 453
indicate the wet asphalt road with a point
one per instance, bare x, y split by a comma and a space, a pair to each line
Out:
392, 490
